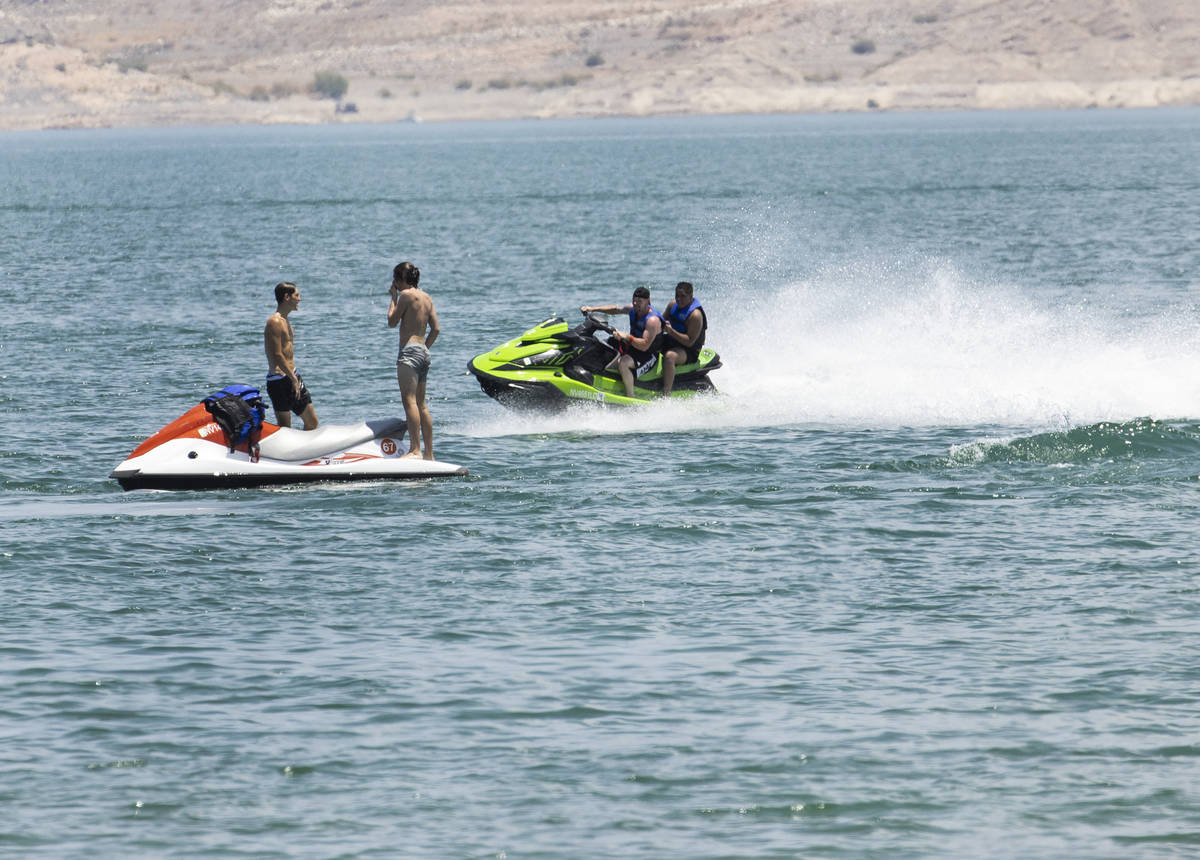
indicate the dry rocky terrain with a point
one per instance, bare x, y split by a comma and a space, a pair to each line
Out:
88, 63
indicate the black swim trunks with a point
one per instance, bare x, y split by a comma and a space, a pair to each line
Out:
693, 353
279, 387
643, 362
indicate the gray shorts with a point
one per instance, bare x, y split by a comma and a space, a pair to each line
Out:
416, 356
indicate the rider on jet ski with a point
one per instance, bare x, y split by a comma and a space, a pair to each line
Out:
683, 333
639, 347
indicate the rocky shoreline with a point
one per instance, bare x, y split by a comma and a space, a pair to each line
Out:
124, 63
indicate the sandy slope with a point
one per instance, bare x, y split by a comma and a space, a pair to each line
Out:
132, 62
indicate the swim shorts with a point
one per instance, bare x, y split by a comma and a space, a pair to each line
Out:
693, 353
643, 362
416, 356
279, 387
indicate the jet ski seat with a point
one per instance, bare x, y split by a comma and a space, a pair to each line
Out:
287, 443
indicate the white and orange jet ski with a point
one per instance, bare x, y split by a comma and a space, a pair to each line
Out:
191, 453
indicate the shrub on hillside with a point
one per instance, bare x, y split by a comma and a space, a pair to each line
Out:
564, 80
863, 46
329, 85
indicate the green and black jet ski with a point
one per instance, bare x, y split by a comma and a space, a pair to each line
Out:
552, 365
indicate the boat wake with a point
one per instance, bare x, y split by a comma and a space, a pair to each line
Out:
1140, 439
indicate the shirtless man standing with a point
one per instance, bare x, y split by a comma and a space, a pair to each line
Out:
284, 384
412, 309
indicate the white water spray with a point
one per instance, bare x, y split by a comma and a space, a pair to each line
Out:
924, 346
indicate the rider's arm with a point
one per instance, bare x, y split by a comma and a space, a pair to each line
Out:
606, 309
396, 308
434, 328
669, 334
695, 324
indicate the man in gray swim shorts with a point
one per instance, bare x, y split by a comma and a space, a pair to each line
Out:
412, 309
416, 356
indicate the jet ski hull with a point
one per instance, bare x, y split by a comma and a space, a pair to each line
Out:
190, 454
551, 366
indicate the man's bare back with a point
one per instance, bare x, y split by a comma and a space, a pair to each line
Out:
414, 312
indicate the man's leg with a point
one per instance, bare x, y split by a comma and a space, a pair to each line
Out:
406, 378
308, 416
668, 370
279, 402
626, 368
426, 420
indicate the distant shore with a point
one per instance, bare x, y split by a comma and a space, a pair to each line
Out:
191, 108
124, 64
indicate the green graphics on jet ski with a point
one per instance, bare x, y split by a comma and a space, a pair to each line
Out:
553, 364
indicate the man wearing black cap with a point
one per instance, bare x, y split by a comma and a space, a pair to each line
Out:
639, 348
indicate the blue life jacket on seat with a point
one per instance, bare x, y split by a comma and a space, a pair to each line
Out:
239, 411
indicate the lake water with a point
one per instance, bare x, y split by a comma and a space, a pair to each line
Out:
921, 581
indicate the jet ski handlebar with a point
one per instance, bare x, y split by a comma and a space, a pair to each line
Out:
598, 320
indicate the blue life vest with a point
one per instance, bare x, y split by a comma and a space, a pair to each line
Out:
677, 318
637, 325
239, 411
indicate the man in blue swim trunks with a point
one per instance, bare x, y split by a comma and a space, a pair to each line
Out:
412, 309
284, 385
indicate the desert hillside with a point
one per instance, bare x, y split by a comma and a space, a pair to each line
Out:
67, 63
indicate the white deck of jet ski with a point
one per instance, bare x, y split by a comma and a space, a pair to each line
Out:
345, 452
288, 443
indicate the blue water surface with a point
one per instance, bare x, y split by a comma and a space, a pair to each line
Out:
920, 581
